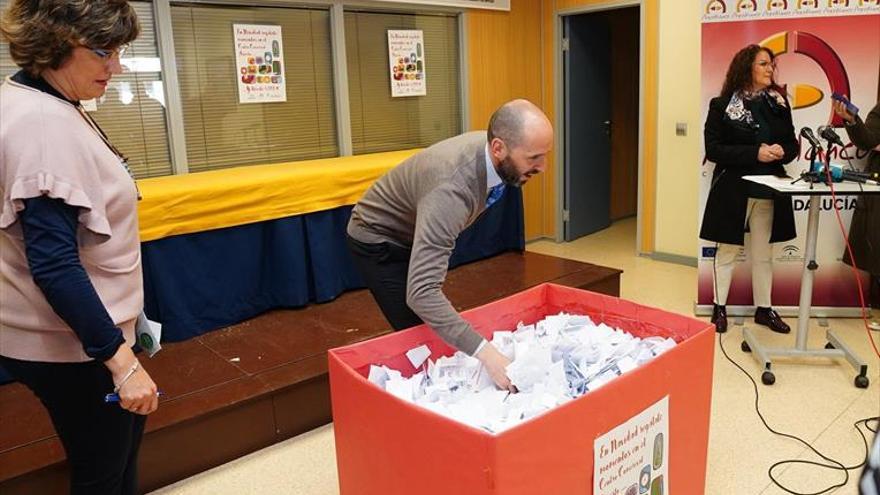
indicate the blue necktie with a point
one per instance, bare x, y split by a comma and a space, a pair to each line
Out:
495, 194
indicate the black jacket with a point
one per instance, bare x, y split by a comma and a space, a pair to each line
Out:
733, 146
864, 231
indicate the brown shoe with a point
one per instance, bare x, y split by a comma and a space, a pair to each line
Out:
719, 318
770, 318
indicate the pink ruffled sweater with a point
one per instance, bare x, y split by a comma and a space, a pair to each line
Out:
47, 148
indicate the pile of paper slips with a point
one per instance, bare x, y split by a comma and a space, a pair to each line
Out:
554, 361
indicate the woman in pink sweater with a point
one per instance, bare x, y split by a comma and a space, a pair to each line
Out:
70, 276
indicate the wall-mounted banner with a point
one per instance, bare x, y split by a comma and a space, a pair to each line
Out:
633, 458
406, 57
259, 60
472, 4
741, 10
821, 47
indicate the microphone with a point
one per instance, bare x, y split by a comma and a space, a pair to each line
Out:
839, 174
828, 133
807, 134
857, 177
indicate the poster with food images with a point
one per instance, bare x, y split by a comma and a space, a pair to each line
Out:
406, 54
259, 60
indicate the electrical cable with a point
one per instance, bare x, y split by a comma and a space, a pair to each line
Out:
832, 464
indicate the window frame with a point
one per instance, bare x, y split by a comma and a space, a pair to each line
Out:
337, 10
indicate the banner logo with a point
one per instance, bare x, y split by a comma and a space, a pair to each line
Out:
716, 7
790, 253
749, 6
777, 5
810, 45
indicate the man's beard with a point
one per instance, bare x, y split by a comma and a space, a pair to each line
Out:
508, 174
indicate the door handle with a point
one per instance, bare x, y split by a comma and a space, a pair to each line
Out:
607, 128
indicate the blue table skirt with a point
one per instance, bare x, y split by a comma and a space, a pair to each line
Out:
196, 283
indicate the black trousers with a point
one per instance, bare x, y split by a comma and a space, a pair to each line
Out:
384, 268
101, 440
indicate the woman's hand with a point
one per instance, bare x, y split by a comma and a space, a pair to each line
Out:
770, 153
139, 393
840, 109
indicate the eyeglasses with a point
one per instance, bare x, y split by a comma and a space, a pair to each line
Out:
764, 63
106, 55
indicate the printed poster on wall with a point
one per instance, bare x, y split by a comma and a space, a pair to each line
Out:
633, 458
821, 47
406, 55
259, 60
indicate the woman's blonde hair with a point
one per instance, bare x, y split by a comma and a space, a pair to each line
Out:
43, 33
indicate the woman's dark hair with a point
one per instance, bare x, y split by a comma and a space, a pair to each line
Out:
43, 33
739, 73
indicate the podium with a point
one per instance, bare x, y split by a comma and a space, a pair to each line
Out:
835, 347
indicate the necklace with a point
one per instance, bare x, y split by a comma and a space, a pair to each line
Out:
122, 159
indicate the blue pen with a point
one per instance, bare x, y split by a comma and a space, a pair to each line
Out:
115, 397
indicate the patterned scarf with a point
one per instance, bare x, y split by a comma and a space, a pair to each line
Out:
736, 108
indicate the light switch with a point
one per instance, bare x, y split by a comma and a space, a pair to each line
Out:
681, 129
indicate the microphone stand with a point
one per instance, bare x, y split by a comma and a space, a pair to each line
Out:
826, 170
834, 348
811, 176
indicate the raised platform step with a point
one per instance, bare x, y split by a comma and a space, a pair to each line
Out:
248, 386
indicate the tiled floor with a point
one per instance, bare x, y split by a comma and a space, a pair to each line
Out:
816, 402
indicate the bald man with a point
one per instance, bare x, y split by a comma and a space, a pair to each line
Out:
404, 229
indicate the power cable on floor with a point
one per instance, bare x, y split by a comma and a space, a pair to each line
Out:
832, 464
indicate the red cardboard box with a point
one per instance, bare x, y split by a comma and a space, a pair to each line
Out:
385, 445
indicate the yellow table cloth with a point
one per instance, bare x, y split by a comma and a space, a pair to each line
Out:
184, 204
